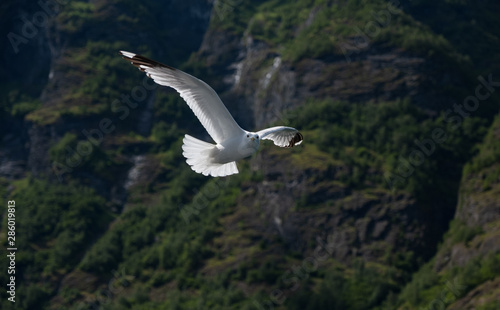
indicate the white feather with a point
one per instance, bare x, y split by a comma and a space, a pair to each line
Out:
199, 155
280, 135
200, 97
233, 143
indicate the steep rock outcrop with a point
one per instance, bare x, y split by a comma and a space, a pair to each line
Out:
474, 236
478, 211
301, 206
259, 86
46, 64
254, 78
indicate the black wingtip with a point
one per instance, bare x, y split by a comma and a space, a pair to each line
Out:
297, 139
139, 60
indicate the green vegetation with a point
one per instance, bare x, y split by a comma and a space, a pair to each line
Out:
17, 102
371, 138
363, 287
462, 28
490, 306
184, 241
427, 285
54, 226
156, 247
325, 28
489, 152
460, 232
82, 156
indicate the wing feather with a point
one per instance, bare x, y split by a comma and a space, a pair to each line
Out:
282, 136
201, 98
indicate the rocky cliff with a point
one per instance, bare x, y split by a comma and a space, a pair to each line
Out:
364, 207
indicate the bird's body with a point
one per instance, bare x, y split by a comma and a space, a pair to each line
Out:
218, 159
232, 142
224, 152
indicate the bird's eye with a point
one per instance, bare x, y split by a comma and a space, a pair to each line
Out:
257, 137
248, 136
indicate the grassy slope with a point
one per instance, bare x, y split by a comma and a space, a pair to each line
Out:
164, 261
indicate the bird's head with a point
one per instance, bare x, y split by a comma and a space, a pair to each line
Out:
250, 144
253, 139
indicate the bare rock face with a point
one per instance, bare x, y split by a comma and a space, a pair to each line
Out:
354, 223
478, 215
259, 86
46, 68
25, 51
477, 219
481, 295
13, 153
258, 80
24, 69
40, 141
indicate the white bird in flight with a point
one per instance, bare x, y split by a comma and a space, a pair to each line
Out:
233, 142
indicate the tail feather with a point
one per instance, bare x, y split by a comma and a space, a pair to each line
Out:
199, 156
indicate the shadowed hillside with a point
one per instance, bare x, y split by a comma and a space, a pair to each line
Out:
390, 202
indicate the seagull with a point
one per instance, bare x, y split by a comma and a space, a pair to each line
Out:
232, 142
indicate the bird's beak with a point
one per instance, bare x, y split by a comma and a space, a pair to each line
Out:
253, 139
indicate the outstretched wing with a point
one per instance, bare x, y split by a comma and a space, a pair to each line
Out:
200, 97
282, 136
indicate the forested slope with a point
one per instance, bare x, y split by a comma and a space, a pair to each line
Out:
391, 201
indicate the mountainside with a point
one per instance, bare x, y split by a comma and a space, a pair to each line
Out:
391, 201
